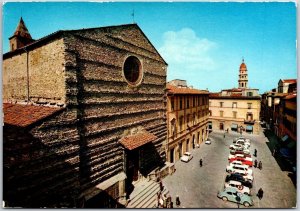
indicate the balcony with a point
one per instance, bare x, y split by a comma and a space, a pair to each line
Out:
249, 121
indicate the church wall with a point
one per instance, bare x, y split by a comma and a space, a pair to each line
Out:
45, 66
109, 108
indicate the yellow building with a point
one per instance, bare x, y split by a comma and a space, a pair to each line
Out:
236, 109
234, 113
187, 118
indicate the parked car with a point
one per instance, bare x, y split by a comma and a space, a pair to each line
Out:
239, 154
187, 156
231, 194
244, 151
208, 141
243, 143
241, 138
236, 147
239, 178
238, 185
242, 169
245, 160
246, 176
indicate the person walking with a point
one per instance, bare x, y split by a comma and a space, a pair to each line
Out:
255, 163
260, 193
200, 162
177, 201
260, 165
161, 187
255, 153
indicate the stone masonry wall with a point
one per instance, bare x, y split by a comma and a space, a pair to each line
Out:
46, 74
107, 105
41, 164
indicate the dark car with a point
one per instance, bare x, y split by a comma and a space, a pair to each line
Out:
239, 178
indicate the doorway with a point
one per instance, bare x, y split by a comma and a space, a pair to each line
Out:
221, 126
133, 166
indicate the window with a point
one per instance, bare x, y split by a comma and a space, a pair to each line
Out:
132, 70
249, 116
234, 105
249, 105
172, 104
194, 118
221, 113
210, 113
180, 103
234, 114
180, 123
221, 104
199, 101
187, 119
194, 101
187, 102
249, 94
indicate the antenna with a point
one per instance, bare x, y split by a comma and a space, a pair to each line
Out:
132, 14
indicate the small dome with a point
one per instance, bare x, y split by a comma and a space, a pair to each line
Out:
243, 65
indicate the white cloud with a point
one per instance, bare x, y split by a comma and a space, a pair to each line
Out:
184, 51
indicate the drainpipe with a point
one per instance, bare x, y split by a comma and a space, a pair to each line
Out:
27, 73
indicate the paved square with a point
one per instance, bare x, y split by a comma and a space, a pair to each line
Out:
198, 187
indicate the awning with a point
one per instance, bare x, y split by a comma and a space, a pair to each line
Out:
249, 127
134, 141
234, 126
284, 138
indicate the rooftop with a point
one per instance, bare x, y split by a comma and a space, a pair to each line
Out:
134, 141
182, 90
25, 115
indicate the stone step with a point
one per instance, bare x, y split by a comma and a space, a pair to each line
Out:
148, 195
141, 190
152, 203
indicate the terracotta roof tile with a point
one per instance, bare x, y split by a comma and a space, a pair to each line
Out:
134, 141
25, 115
291, 81
181, 90
291, 96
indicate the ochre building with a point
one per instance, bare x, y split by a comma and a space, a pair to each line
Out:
187, 118
84, 116
237, 109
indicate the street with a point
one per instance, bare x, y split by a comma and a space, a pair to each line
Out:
198, 186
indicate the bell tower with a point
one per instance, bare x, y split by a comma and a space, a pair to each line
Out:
243, 76
21, 37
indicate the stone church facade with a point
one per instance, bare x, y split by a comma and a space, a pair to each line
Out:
84, 116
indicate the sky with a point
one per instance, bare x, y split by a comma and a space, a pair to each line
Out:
202, 42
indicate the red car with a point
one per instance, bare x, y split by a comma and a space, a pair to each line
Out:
245, 161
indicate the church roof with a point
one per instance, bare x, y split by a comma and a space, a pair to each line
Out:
60, 33
22, 30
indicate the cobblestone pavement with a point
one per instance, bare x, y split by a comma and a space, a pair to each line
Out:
198, 187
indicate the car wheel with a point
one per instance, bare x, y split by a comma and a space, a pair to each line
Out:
224, 198
246, 204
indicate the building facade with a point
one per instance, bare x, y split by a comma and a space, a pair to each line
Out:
236, 109
187, 118
84, 116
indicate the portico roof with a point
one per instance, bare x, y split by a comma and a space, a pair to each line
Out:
132, 142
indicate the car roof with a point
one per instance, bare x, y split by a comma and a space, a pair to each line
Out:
187, 153
234, 182
232, 189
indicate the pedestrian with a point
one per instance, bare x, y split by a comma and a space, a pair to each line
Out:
255, 163
161, 186
171, 204
260, 193
200, 162
260, 165
224, 135
274, 152
255, 153
177, 200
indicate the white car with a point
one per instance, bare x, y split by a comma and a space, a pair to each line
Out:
187, 156
245, 151
244, 143
241, 138
241, 156
208, 141
239, 187
237, 147
237, 168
